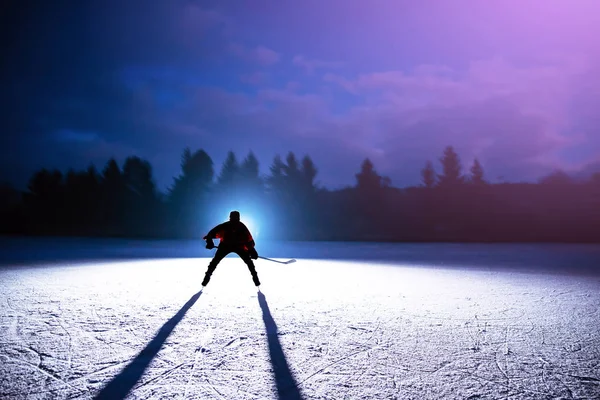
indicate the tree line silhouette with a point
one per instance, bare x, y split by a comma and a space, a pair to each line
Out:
123, 201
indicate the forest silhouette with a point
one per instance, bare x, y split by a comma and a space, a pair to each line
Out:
451, 204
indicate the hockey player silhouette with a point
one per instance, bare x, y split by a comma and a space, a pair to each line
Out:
234, 237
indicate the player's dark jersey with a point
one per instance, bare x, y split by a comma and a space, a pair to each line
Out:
232, 234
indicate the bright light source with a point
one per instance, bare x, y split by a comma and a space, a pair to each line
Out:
252, 226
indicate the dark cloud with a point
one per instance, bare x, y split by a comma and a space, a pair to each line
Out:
63, 66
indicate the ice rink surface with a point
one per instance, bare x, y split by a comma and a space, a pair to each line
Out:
319, 329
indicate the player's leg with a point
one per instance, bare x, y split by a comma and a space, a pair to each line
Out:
246, 257
219, 255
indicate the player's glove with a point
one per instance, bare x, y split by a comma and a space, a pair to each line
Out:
210, 244
253, 253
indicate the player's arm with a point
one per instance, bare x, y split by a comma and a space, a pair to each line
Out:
215, 233
250, 245
249, 239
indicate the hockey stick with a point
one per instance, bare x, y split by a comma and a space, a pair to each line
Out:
293, 260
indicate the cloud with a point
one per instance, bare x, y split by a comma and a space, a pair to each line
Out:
196, 20
83, 57
270, 121
265, 56
511, 115
512, 118
260, 54
68, 135
506, 141
255, 78
156, 81
293, 86
536, 86
344, 83
312, 65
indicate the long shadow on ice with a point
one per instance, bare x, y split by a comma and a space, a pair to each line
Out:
287, 387
120, 386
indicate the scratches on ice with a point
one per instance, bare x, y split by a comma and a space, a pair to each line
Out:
119, 387
358, 331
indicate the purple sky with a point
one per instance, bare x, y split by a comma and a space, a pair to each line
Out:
514, 83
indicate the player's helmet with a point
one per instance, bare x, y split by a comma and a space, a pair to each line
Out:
234, 216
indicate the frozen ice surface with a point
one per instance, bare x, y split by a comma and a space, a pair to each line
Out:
319, 329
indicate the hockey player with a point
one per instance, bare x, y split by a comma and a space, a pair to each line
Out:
234, 237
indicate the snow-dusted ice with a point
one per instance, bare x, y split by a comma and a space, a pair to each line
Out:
319, 329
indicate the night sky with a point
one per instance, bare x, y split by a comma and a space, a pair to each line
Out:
514, 83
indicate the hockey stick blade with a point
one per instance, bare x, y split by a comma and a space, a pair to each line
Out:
293, 260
